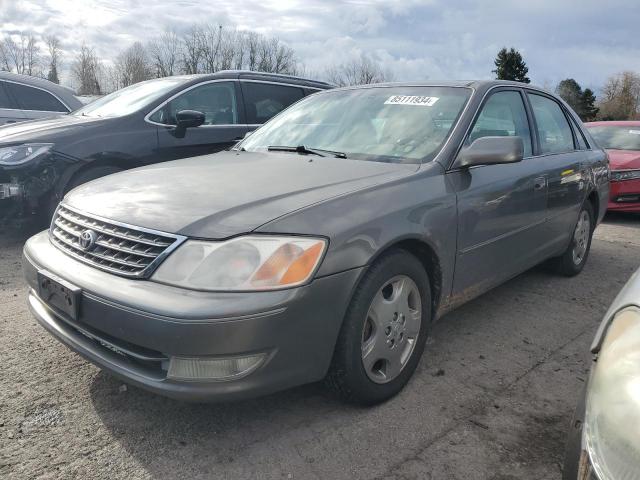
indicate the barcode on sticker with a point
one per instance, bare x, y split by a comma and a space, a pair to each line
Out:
419, 100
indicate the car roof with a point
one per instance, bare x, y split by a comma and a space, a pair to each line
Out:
65, 94
614, 123
479, 85
263, 76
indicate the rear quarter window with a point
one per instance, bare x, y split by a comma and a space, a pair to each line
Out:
582, 141
30, 98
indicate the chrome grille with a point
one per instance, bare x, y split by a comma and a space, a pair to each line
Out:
118, 248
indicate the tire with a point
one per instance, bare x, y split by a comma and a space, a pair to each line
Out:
381, 323
574, 258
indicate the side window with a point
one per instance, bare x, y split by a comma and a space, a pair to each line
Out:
5, 100
503, 115
30, 98
582, 142
264, 100
553, 129
216, 100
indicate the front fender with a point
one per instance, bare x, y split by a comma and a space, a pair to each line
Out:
364, 224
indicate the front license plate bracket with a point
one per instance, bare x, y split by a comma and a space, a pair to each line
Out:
59, 293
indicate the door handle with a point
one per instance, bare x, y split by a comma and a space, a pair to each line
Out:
539, 183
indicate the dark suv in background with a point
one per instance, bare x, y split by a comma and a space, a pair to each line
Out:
149, 122
29, 98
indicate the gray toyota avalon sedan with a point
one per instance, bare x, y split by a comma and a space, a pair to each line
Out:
324, 245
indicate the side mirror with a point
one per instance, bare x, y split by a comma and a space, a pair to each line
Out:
491, 151
189, 119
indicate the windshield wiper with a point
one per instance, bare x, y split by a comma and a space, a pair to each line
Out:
302, 150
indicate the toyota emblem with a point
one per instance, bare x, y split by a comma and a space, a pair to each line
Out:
87, 240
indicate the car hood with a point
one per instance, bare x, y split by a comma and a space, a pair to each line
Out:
624, 159
218, 196
44, 130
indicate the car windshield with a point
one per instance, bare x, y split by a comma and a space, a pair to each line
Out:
616, 137
130, 99
389, 124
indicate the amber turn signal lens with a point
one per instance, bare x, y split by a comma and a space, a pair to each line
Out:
290, 264
303, 266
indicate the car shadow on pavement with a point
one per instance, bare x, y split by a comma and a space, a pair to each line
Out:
622, 218
215, 432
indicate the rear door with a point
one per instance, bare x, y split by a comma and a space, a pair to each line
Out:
501, 208
9, 110
563, 161
224, 124
36, 102
263, 100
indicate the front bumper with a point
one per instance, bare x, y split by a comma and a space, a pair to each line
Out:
130, 327
577, 464
624, 196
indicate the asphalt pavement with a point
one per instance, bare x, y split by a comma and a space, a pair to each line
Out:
491, 399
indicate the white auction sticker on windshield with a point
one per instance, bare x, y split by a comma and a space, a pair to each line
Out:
419, 100
635, 132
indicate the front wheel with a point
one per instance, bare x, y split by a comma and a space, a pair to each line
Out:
573, 260
384, 331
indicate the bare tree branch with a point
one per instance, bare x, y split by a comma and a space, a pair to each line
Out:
53, 47
360, 71
164, 54
85, 70
133, 65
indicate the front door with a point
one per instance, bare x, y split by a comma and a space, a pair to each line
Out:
501, 208
222, 128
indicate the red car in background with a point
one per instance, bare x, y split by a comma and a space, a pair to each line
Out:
621, 140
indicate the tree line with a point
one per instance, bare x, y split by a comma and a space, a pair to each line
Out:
208, 48
203, 48
620, 98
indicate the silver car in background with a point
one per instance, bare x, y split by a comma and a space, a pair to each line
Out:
29, 98
604, 442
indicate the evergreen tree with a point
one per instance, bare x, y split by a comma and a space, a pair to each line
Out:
589, 109
571, 92
53, 74
582, 102
510, 66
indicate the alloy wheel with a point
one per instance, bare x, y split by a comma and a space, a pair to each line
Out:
581, 237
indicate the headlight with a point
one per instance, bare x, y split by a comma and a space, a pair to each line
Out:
621, 175
612, 423
18, 154
254, 262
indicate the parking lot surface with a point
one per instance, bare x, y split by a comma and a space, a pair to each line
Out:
491, 399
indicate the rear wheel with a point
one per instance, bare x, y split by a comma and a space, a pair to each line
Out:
384, 331
573, 260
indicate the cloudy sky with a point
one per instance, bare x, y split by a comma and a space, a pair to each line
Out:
417, 39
